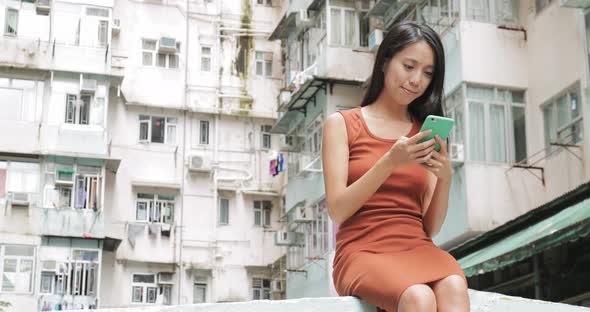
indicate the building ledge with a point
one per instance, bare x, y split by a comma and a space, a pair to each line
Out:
480, 302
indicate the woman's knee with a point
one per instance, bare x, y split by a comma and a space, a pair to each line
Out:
453, 284
417, 298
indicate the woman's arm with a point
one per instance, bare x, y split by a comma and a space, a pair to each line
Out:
435, 214
437, 198
343, 201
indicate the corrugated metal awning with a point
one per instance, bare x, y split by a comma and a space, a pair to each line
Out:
567, 225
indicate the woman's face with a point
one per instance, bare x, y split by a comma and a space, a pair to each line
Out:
409, 72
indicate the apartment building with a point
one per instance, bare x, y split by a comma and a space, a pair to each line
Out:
137, 165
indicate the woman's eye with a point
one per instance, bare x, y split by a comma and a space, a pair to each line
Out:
429, 74
408, 67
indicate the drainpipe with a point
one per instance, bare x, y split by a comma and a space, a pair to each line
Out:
182, 182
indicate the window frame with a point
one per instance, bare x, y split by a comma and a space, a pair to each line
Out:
264, 210
264, 292
508, 118
7, 12
169, 123
145, 288
155, 208
492, 12
571, 122
204, 287
155, 54
264, 62
19, 260
219, 211
265, 136
342, 27
204, 140
208, 57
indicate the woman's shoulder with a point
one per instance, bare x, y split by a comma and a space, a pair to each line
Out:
346, 120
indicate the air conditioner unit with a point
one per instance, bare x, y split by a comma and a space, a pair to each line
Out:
375, 39
88, 86
167, 45
303, 214
116, 25
64, 177
49, 266
199, 163
43, 7
578, 4
166, 278
285, 238
19, 199
277, 285
457, 152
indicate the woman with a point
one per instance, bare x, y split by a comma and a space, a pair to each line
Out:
389, 193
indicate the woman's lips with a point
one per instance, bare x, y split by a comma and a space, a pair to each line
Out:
409, 92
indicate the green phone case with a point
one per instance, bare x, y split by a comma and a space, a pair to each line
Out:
440, 126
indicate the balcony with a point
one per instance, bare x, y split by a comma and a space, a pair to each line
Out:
40, 54
71, 139
70, 222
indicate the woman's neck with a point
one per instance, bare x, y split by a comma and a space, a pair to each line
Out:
385, 108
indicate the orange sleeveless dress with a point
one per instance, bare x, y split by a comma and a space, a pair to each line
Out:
382, 249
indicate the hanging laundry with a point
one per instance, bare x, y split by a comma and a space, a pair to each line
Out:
281, 163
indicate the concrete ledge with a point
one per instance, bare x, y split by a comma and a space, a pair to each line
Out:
480, 302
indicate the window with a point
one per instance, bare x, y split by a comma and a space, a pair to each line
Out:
266, 136
154, 208
144, 288
562, 119
204, 133
98, 12
17, 268
364, 29
103, 35
223, 211
454, 109
205, 58
157, 129
11, 22
264, 64
497, 12
150, 56
317, 234
88, 191
148, 51
344, 26
200, 293
77, 277
77, 112
260, 289
74, 187
71, 103
262, 212
496, 124
313, 137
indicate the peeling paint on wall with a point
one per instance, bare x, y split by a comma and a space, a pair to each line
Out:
244, 53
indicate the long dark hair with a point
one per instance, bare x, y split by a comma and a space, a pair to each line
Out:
398, 37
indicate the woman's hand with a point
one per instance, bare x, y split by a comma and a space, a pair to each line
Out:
440, 164
407, 151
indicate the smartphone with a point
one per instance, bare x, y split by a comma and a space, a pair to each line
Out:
440, 126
